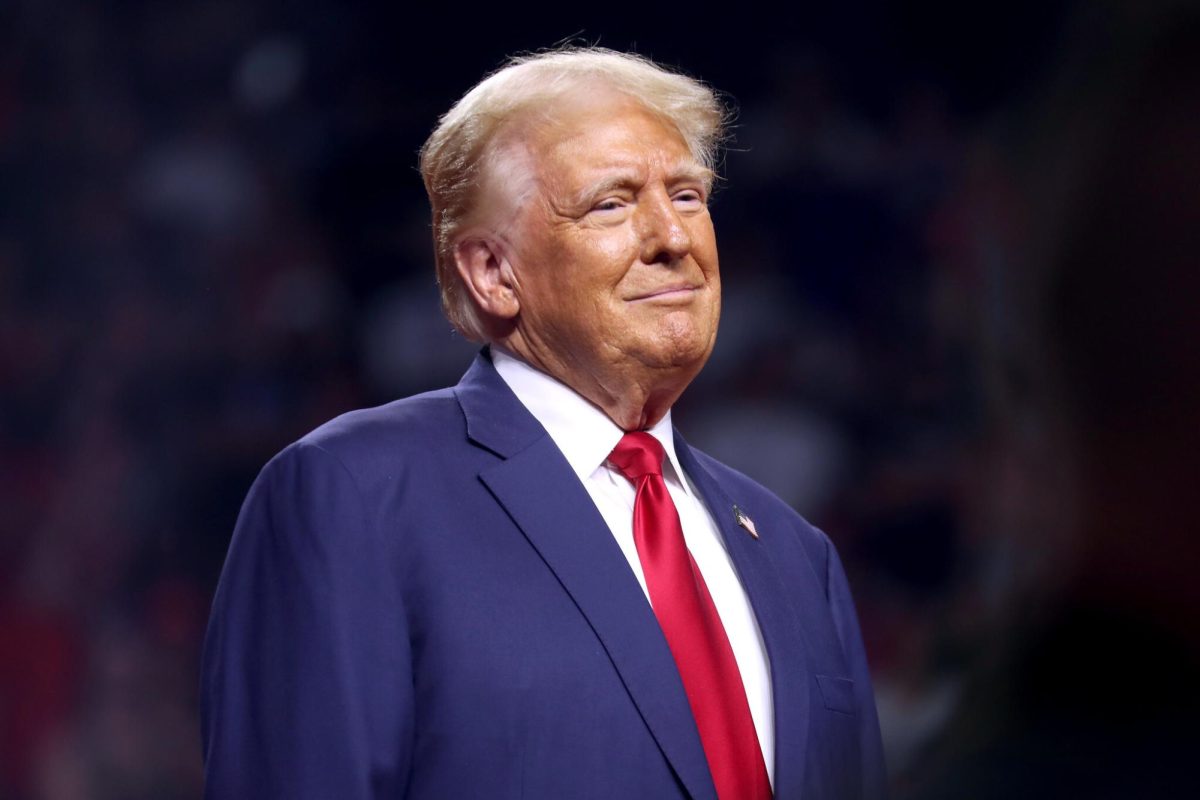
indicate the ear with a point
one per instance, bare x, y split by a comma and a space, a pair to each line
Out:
483, 265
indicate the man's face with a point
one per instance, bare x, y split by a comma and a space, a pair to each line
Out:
614, 256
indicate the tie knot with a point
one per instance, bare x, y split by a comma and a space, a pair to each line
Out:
637, 454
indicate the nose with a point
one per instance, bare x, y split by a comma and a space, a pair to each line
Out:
664, 235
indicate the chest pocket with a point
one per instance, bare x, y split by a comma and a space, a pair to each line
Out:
837, 694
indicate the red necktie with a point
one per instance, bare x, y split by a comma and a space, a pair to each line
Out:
692, 627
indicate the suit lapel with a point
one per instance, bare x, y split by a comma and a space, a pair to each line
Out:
536, 486
778, 621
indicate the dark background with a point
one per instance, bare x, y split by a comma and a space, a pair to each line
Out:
959, 251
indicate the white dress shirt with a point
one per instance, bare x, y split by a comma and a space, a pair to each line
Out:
586, 437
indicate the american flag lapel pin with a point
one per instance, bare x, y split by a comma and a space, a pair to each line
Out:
745, 521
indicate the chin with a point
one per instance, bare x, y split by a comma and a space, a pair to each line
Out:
688, 342
668, 353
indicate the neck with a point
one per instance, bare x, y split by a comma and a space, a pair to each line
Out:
633, 396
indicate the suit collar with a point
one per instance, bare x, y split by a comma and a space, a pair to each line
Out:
495, 418
584, 433
534, 483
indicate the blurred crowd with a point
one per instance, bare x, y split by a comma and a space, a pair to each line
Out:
213, 238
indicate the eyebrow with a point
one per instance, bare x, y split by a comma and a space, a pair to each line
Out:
681, 174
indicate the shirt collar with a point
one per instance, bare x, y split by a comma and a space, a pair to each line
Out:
583, 432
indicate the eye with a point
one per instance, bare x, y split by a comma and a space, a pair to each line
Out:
609, 210
609, 204
689, 198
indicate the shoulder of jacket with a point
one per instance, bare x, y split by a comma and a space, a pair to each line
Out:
421, 416
365, 439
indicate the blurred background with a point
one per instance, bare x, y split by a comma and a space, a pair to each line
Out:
959, 249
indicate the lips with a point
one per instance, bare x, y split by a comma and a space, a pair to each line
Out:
677, 291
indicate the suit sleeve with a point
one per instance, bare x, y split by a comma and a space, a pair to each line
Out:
874, 775
306, 683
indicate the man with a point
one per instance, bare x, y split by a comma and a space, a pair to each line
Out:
529, 585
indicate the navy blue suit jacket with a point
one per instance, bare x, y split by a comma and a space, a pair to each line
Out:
421, 601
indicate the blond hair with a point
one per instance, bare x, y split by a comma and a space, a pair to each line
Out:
457, 156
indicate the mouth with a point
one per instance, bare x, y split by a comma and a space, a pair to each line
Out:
674, 293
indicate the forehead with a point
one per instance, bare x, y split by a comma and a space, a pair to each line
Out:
603, 134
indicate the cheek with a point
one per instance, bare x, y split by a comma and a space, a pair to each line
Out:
614, 253
714, 284
589, 258
704, 247
598, 257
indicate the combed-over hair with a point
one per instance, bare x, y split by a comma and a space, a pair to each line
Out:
455, 158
